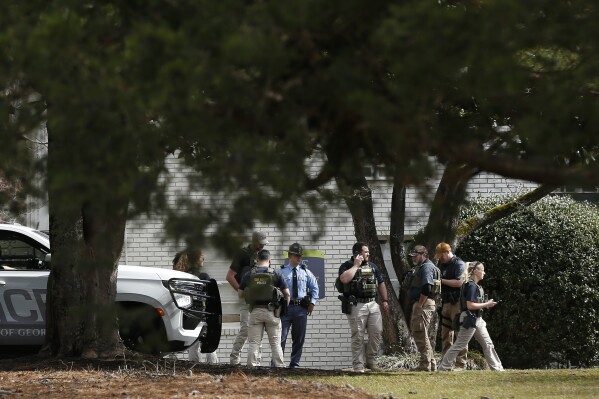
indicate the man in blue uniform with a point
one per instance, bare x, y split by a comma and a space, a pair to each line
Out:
303, 287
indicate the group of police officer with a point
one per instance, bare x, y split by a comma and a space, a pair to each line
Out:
428, 286
276, 301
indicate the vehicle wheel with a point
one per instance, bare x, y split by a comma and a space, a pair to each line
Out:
142, 329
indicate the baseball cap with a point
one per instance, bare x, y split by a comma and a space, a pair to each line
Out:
296, 248
260, 237
418, 250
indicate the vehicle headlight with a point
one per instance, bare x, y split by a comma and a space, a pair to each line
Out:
183, 301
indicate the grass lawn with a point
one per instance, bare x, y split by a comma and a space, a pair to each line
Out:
571, 383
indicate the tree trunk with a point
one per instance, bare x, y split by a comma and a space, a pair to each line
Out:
87, 239
445, 209
398, 259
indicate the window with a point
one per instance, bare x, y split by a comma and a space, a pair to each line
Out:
375, 172
588, 193
17, 253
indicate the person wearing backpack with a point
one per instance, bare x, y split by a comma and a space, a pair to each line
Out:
453, 275
472, 303
262, 288
421, 293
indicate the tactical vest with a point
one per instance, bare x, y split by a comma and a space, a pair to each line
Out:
416, 281
261, 289
480, 294
363, 285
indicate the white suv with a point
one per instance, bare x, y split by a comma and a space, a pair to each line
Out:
160, 310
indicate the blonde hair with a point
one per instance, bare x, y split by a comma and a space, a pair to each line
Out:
471, 267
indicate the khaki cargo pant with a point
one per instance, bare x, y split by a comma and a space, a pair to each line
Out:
365, 317
420, 322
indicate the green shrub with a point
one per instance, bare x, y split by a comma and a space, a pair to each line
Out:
542, 262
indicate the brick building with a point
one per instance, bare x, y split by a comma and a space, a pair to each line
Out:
328, 337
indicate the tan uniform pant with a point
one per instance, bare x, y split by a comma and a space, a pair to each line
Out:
263, 319
481, 334
365, 317
420, 322
448, 312
242, 336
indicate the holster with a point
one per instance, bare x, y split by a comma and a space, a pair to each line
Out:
346, 303
469, 320
305, 301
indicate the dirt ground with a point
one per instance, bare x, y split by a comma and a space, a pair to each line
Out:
146, 377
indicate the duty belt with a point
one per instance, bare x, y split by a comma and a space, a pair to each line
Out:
295, 302
364, 300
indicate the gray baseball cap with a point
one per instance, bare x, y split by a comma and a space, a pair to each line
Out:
260, 237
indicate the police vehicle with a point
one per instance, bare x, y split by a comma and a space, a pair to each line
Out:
160, 310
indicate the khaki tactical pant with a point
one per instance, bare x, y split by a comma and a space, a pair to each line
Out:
448, 312
420, 322
481, 334
242, 336
263, 319
365, 317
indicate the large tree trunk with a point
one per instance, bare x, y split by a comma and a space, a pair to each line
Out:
86, 238
445, 209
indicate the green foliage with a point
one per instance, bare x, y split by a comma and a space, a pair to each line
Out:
543, 263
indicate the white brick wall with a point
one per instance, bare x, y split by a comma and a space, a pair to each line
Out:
327, 343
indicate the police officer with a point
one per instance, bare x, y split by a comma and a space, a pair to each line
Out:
258, 287
362, 281
472, 304
453, 274
244, 260
303, 288
420, 294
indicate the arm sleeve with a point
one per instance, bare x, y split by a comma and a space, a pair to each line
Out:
427, 289
377, 274
204, 276
313, 284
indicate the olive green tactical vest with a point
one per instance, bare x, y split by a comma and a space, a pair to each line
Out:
363, 285
260, 289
